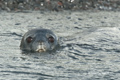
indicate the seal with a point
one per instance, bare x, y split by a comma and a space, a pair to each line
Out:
39, 40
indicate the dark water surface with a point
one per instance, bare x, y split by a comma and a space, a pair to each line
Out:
89, 51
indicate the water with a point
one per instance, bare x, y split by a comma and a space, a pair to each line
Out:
90, 46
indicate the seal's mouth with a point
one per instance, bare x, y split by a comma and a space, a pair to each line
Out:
41, 48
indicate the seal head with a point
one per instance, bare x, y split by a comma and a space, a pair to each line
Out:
39, 40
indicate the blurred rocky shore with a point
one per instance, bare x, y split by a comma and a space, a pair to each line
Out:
59, 5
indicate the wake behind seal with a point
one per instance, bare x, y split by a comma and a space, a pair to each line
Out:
39, 40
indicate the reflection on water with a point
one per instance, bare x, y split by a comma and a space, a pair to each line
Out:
85, 53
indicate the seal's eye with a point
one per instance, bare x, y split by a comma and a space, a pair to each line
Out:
51, 39
29, 39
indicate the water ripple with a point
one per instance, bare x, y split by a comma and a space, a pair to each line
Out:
11, 34
23, 72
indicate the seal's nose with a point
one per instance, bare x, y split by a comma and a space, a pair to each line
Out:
41, 47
